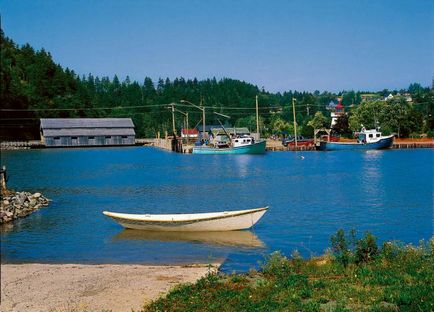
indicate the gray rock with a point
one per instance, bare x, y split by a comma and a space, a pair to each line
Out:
20, 205
36, 195
21, 198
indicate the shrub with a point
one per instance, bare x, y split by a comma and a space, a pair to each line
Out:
347, 249
390, 251
276, 264
366, 248
342, 246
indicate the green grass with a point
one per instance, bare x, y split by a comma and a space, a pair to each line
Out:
395, 278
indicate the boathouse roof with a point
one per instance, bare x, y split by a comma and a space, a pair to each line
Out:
88, 132
71, 123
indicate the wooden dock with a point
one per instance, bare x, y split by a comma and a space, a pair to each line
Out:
18, 145
404, 144
180, 147
169, 145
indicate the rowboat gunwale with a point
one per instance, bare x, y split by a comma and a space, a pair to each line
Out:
146, 218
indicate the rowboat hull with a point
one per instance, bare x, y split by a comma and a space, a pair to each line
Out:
383, 143
199, 222
255, 148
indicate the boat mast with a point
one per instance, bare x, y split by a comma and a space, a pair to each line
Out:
226, 116
257, 117
230, 141
295, 122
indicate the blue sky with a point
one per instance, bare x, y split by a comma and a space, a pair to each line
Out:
279, 45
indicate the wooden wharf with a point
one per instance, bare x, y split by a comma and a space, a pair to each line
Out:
11, 145
182, 147
405, 145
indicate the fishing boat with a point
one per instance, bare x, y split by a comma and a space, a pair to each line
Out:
231, 141
202, 222
240, 145
366, 140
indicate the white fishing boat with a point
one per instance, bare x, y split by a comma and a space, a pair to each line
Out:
211, 221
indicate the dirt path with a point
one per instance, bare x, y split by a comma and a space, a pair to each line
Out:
73, 287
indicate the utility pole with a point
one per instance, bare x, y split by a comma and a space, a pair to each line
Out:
203, 117
173, 119
202, 108
257, 117
295, 122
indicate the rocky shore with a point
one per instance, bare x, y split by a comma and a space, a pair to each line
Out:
16, 205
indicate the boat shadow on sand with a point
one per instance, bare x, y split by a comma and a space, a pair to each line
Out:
244, 239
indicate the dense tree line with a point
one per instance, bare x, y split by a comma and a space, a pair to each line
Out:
33, 86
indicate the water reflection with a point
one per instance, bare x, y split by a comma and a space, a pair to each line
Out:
373, 154
6, 227
372, 172
245, 239
243, 165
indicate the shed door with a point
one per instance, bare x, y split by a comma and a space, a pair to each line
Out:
74, 141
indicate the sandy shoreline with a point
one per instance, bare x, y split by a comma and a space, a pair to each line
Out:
78, 287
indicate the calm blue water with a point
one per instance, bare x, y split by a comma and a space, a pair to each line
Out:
389, 193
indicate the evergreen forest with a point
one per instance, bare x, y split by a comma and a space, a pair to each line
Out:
33, 86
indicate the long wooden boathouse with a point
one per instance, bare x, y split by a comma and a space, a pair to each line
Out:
70, 132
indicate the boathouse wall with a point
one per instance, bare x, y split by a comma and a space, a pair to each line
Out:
71, 132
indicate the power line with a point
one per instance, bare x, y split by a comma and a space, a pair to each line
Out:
177, 104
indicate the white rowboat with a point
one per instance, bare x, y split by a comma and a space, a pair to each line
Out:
212, 221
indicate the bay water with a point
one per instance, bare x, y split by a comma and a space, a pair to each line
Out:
311, 195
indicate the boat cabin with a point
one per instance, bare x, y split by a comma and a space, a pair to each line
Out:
369, 136
243, 140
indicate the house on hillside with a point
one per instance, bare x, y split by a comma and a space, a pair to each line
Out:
389, 97
369, 97
70, 132
331, 106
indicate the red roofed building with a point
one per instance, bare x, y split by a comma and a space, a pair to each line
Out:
189, 133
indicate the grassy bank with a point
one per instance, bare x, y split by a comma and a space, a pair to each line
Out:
356, 275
